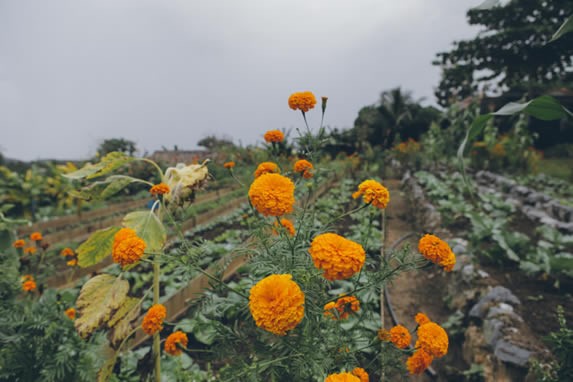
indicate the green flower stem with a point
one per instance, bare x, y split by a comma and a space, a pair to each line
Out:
156, 338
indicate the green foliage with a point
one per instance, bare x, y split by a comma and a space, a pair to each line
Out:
107, 164
38, 343
116, 144
148, 227
510, 52
96, 247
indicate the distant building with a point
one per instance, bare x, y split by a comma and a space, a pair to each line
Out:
172, 157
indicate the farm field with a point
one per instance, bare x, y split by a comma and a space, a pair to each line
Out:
430, 240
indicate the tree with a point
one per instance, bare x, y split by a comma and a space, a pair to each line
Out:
511, 54
396, 115
116, 144
211, 142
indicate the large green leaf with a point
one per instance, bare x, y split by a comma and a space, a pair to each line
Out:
566, 27
545, 108
108, 163
148, 227
121, 324
97, 247
99, 299
104, 189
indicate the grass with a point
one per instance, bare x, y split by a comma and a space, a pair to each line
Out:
560, 168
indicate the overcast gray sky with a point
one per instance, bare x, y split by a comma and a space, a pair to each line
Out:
165, 72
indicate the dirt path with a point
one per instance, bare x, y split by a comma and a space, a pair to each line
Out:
414, 292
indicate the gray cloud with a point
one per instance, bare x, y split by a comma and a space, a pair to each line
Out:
170, 72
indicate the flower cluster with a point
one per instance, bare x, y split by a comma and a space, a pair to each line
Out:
432, 343
287, 225
400, 336
342, 308
274, 136
373, 193
36, 236
229, 165
28, 283
127, 248
303, 101
153, 320
437, 251
361, 374
304, 167
272, 195
71, 313
277, 304
19, 243
266, 168
175, 339
342, 377
337, 256
30, 250
159, 189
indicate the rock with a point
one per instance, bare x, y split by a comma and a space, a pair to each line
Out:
495, 295
511, 353
483, 274
492, 331
503, 310
468, 273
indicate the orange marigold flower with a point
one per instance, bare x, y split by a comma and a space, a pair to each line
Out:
433, 339
400, 336
229, 165
287, 225
29, 285
71, 313
307, 175
67, 252
418, 362
171, 342
30, 250
383, 335
344, 305
274, 136
302, 165
19, 243
159, 189
361, 374
72, 262
303, 101
277, 304
127, 248
153, 320
272, 195
267, 168
36, 236
338, 257
342, 377
437, 251
422, 319
373, 193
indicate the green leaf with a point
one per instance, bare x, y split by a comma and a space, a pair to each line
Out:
474, 130
109, 163
565, 28
97, 247
148, 227
500, 240
104, 189
99, 298
106, 371
545, 108
121, 323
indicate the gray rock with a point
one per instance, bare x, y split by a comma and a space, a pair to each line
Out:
503, 309
511, 353
492, 331
468, 273
495, 295
483, 274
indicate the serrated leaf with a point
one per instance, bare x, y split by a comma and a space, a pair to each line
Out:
97, 247
565, 28
545, 108
104, 189
121, 323
99, 298
148, 227
108, 163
